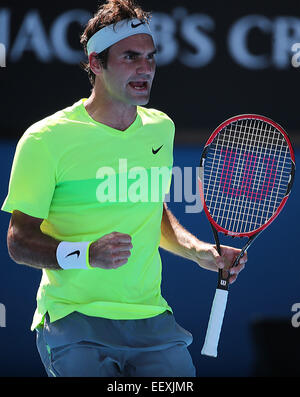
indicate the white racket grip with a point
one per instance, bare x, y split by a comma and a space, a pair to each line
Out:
215, 323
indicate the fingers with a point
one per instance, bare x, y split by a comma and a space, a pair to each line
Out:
124, 247
219, 260
111, 251
115, 264
118, 257
244, 258
227, 260
120, 237
234, 271
232, 278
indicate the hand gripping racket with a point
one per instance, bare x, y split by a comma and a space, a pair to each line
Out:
245, 177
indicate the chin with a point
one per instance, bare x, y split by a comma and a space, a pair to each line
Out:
141, 101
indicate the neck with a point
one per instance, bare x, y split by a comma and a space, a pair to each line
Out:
112, 113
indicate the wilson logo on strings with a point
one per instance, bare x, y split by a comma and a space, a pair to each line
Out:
256, 180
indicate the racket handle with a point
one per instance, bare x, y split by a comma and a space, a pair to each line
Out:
215, 323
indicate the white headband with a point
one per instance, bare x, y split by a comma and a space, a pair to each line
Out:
111, 34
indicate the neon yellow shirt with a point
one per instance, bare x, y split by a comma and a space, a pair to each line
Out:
86, 179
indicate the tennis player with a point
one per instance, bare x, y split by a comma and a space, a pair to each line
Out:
100, 312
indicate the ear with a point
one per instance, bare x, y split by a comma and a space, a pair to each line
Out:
95, 64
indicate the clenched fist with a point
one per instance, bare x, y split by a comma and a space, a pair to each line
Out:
110, 251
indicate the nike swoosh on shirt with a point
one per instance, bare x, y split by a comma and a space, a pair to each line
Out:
133, 25
74, 253
157, 150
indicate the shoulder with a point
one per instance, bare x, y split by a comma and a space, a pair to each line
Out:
156, 116
49, 126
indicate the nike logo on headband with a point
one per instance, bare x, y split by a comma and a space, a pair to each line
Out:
74, 253
135, 25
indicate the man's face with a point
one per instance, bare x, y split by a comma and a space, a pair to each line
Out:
130, 70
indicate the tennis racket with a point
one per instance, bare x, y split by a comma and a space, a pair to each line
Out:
245, 177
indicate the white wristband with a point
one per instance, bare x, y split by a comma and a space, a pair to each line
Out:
73, 255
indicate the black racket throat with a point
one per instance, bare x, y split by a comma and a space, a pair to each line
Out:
224, 275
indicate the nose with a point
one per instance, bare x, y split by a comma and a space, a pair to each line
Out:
145, 66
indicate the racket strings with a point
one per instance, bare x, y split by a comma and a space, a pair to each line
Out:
246, 175
247, 171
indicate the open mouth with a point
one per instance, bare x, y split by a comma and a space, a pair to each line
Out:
139, 85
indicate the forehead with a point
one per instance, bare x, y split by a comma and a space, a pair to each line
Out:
138, 42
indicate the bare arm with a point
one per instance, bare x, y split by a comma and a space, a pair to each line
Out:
176, 239
28, 245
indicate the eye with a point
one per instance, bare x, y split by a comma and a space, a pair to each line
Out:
130, 57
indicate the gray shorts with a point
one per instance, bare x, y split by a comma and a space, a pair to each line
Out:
84, 346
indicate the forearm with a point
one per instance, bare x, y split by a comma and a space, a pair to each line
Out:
28, 245
35, 249
176, 239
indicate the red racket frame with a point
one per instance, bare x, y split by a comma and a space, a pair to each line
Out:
210, 140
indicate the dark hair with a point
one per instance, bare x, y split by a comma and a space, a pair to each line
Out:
111, 12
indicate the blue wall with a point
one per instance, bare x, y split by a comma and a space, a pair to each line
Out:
267, 288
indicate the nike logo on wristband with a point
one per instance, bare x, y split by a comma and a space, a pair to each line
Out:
74, 253
133, 25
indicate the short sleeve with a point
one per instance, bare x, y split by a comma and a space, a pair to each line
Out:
32, 178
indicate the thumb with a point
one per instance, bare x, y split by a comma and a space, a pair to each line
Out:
219, 260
